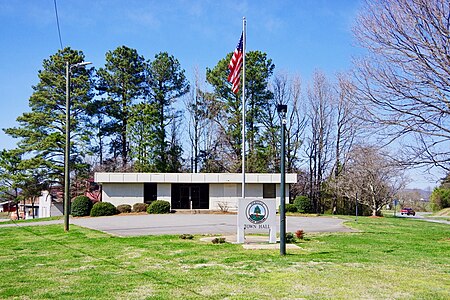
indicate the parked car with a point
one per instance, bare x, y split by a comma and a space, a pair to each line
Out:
408, 211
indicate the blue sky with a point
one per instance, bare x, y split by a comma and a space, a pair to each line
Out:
299, 36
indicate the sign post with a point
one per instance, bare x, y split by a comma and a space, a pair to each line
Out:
395, 206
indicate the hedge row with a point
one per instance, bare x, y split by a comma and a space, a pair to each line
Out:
82, 206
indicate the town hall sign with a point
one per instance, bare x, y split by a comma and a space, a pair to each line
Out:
256, 215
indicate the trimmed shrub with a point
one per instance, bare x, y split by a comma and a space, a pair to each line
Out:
290, 208
81, 206
140, 207
303, 205
186, 236
218, 240
290, 238
124, 208
159, 207
103, 209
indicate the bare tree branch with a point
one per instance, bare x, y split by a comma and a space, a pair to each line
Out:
403, 85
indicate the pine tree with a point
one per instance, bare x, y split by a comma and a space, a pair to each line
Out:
167, 83
259, 69
122, 83
42, 131
141, 135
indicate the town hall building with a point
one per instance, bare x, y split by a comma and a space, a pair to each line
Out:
196, 191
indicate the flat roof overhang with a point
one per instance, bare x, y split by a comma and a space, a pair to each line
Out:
101, 177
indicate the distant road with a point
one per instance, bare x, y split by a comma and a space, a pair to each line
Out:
424, 216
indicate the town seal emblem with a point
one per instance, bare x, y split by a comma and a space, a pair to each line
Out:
257, 212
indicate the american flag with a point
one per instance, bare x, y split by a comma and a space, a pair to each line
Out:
235, 67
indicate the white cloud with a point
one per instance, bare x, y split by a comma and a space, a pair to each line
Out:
144, 17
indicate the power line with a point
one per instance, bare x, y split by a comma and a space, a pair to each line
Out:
57, 23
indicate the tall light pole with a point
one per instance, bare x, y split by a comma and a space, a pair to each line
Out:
282, 110
67, 148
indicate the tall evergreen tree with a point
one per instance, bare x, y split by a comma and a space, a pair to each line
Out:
42, 131
122, 82
259, 69
167, 83
258, 97
141, 135
96, 111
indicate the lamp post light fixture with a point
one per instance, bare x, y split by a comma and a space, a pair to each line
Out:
282, 110
67, 146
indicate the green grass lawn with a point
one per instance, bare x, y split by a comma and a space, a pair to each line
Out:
390, 258
32, 220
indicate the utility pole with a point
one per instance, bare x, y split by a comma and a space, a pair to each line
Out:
282, 110
67, 146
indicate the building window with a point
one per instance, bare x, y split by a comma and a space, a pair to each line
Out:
269, 190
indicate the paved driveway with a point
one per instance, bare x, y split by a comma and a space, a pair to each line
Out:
135, 225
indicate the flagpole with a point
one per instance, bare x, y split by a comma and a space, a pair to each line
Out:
243, 104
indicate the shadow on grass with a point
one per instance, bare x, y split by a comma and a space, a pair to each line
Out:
36, 220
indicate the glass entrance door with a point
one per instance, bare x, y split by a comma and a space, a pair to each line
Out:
194, 194
190, 196
184, 198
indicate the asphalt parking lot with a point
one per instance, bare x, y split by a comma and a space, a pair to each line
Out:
135, 225
220, 224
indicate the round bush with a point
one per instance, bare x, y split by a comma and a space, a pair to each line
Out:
140, 207
290, 238
124, 208
218, 240
159, 207
186, 236
81, 206
103, 209
303, 204
290, 208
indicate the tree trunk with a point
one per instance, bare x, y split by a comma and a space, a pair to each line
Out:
17, 210
32, 206
374, 207
124, 131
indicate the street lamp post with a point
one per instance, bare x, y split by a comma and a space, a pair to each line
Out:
67, 148
282, 110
